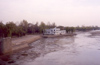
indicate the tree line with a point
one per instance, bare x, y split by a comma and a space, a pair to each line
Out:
79, 28
11, 29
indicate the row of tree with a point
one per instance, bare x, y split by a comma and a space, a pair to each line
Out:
11, 29
78, 28
87, 28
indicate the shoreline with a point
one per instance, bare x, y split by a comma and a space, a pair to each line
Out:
54, 36
24, 41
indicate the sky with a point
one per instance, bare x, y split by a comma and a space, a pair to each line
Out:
62, 12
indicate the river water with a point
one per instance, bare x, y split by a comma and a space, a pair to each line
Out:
82, 49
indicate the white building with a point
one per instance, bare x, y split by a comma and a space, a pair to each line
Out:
54, 31
63, 32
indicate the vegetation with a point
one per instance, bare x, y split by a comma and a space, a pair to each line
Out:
11, 29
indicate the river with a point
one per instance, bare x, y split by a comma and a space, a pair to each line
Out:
82, 49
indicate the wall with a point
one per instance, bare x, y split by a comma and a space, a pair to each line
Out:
5, 45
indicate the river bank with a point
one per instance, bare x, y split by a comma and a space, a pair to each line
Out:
54, 36
18, 44
35, 49
79, 50
9, 45
22, 42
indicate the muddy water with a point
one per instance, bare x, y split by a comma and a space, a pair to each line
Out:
82, 49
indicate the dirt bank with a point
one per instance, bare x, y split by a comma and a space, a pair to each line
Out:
22, 42
36, 49
54, 36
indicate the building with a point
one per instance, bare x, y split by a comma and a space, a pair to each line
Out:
63, 32
54, 31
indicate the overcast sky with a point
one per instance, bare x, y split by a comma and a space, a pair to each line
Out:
62, 12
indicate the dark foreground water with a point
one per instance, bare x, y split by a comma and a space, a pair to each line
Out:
82, 49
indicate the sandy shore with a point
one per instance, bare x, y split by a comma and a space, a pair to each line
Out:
36, 49
22, 42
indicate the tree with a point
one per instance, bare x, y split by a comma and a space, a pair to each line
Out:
1, 29
48, 25
61, 27
36, 28
72, 29
42, 27
24, 25
31, 29
10, 28
53, 25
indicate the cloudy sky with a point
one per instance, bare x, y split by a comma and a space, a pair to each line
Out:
62, 12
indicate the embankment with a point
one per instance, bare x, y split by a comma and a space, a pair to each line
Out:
53, 36
22, 42
19, 43
9, 45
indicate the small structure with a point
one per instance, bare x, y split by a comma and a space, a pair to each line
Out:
63, 32
54, 31
5, 45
